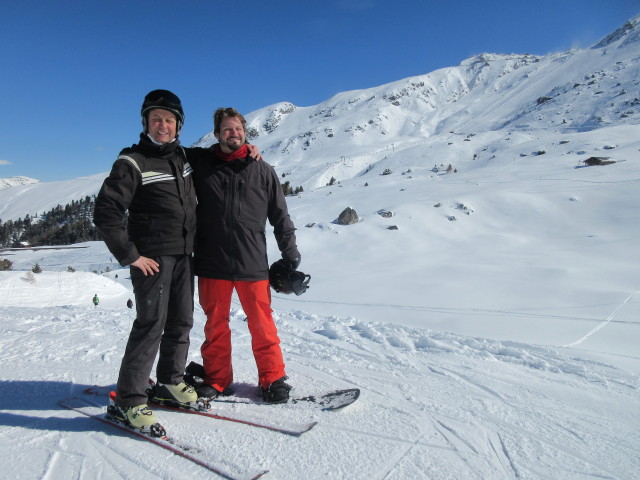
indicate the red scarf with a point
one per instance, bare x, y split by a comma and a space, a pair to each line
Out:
242, 152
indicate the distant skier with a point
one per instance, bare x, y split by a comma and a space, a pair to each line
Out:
129, 303
96, 300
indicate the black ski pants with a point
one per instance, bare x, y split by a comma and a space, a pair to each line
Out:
164, 310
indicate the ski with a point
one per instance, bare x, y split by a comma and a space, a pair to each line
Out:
333, 400
280, 426
294, 429
230, 472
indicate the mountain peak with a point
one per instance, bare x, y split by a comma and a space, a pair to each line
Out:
15, 181
625, 35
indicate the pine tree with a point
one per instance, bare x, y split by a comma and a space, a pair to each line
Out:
59, 226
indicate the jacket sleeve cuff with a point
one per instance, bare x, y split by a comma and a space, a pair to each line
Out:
131, 257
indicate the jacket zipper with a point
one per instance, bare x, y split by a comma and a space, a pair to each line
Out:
231, 192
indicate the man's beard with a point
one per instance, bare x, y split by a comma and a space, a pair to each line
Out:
236, 145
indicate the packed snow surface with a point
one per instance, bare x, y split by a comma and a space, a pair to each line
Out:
434, 404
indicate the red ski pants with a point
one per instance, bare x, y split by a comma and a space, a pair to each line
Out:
255, 298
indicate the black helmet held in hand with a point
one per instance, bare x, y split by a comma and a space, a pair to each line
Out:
284, 279
165, 100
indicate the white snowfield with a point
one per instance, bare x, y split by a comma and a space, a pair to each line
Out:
57, 289
433, 404
491, 319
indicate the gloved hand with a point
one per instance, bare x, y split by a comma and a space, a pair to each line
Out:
286, 265
294, 263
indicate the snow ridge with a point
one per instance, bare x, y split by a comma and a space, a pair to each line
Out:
15, 181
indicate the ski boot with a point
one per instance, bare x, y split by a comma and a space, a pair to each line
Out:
139, 418
179, 396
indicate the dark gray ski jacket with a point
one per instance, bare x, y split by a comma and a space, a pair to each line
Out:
154, 183
235, 200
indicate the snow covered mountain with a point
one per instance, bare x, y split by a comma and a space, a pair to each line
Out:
489, 107
483, 100
15, 181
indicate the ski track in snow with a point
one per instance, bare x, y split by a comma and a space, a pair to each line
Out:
603, 324
433, 405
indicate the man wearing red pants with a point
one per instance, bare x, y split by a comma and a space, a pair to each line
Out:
236, 196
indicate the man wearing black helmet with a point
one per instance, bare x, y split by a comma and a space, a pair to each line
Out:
152, 181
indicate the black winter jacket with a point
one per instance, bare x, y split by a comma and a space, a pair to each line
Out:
154, 183
235, 200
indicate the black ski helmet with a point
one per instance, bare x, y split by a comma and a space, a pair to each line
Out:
288, 281
165, 100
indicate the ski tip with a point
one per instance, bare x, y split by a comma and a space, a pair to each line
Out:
298, 433
91, 390
259, 475
112, 395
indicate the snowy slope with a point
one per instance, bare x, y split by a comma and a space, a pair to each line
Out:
494, 334
433, 404
36, 198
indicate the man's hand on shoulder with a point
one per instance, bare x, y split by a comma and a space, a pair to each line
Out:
254, 152
147, 265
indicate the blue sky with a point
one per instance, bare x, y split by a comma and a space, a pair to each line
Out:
74, 73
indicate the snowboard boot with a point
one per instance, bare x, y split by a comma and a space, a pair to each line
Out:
180, 395
194, 376
194, 370
277, 392
207, 391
